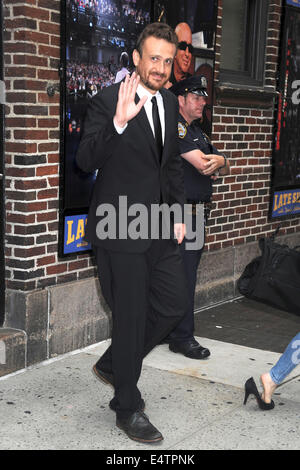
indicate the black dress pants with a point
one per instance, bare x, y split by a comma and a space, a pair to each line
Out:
147, 294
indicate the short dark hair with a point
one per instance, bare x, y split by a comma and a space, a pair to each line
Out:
159, 31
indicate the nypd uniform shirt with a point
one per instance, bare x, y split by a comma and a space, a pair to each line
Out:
197, 187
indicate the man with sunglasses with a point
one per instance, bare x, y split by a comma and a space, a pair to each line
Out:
184, 54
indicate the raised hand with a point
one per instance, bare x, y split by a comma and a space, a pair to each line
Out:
126, 108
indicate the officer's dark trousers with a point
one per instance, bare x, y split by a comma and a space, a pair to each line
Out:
147, 295
184, 331
185, 328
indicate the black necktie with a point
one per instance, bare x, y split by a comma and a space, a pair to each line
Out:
157, 127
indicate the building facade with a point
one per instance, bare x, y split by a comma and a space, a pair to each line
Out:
54, 305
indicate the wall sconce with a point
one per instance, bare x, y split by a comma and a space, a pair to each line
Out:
52, 88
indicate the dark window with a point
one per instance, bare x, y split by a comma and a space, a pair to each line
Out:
244, 26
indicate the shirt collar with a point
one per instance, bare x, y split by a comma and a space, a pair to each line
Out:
141, 91
182, 119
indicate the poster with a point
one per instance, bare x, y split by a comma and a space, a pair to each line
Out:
97, 46
99, 38
194, 22
294, 3
286, 153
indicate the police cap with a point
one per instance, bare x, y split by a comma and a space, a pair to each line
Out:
196, 84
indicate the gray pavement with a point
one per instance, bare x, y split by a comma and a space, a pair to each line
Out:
197, 405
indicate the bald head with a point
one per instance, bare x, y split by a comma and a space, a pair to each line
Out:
184, 33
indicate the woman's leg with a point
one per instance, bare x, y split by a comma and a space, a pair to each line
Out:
284, 366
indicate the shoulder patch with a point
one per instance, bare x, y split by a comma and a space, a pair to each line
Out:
181, 130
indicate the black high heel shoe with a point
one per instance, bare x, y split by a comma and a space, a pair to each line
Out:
250, 387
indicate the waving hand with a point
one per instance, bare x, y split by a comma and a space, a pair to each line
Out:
127, 109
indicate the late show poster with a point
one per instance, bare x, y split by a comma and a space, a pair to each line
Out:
286, 154
294, 3
99, 35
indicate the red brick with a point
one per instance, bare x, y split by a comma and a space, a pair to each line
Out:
48, 74
30, 134
25, 185
31, 12
49, 28
31, 110
45, 98
20, 147
53, 158
20, 218
54, 182
59, 268
29, 85
20, 122
49, 51
20, 72
46, 260
47, 170
75, 265
29, 252
47, 216
48, 123
30, 206
50, 147
20, 47
31, 60
48, 194
54, 111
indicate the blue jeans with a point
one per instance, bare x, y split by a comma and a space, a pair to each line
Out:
287, 362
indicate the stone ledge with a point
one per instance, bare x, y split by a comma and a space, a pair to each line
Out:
12, 350
58, 319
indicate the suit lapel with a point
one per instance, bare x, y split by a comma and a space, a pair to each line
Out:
168, 120
143, 122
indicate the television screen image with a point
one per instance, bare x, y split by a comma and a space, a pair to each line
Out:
100, 38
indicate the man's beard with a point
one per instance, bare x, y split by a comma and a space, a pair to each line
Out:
153, 86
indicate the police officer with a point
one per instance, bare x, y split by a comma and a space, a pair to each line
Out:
202, 164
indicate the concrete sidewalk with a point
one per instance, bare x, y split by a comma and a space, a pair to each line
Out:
197, 405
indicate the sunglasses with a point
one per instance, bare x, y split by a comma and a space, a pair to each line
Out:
183, 45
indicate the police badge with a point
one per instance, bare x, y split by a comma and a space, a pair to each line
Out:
181, 130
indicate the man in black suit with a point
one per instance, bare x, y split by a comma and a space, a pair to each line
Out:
130, 137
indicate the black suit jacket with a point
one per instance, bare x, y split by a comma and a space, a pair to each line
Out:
128, 164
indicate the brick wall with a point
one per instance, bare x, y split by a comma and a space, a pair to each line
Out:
245, 134
32, 53
57, 302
